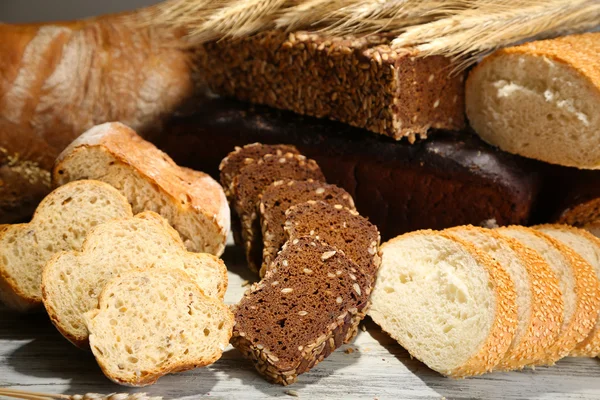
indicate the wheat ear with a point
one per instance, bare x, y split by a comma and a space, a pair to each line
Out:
27, 395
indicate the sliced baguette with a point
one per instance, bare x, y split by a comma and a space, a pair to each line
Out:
154, 322
587, 246
578, 284
450, 305
72, 281
192, 202
61, 222
539, 299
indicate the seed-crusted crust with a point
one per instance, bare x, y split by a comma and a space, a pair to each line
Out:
589, 347
361, 81
501, 334
189, 191
249, 185
343, 318
547, 305
281, 195
231, 165
587, 299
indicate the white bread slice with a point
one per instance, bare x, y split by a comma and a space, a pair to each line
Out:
72, 281
540, 100
587, 246
61, 222
577, 282
192, 202
154, 322
450, 305
539, 299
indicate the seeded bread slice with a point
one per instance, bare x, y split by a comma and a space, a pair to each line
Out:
339, 227
588, 247
540, 305
450, 305
231, 165
280, 196
61, 222
154, 322
309, 302
72, 281
249, 185
578, 284
192, 202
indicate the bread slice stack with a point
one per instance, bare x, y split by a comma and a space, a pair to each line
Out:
468, 300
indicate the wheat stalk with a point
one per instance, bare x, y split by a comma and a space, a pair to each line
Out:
27, 395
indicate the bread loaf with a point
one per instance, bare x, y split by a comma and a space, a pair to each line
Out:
192, 202
540, 100
61, 222
72, 281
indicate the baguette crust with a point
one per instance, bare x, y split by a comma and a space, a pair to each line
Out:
190, 192
587, 296
503, 329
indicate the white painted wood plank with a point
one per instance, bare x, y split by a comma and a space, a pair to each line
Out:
33, 355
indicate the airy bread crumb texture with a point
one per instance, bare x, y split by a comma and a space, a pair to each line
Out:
72, 281
61, 222
154, 322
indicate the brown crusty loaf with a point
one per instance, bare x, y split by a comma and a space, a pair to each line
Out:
192, 202
231, 165
339, 227
249, 185
540, 100
357, 80
280, 196
309, 302
61, 222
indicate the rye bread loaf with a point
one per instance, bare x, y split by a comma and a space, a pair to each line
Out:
339, 227
154, 322
249, 185
450, 305
309, 302
72, 281
230, 167
540, 305
361, 81
447, 180
578, 284
192, 202
61, 222
281, 195
588, 247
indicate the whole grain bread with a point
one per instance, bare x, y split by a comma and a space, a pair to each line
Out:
309, 302
249, 185
281, 195
154, 322
192, 202
61, 222
231, 165
72, 281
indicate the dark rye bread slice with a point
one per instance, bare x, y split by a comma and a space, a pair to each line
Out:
309, 303
249, 185
231, 165
339, 227
281, 195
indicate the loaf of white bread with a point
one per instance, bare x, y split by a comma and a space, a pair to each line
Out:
540, 100
466, 301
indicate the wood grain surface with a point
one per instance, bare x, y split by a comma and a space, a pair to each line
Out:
34, 356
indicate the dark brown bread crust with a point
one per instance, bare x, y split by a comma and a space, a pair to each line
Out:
249, 185
230, 167
451, 179
307, 305
280, 196
339, 227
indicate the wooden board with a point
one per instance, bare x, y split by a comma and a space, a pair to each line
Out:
34, 356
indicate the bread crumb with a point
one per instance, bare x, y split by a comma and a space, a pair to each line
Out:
292, 393
349, 350
363, 328
245, 283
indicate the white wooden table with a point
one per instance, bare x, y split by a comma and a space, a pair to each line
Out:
34, 356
